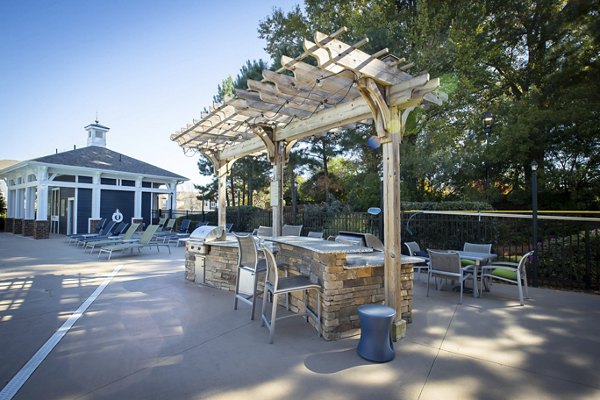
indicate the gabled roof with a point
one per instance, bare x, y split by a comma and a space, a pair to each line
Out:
104, 159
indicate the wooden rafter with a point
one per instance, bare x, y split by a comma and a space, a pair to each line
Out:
348, 85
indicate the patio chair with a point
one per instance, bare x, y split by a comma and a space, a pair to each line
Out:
277, 286
314, 234
475, 248
264, 231
447, 265
249, 265
125, 238
509, 272
145, 241
291, 230
414, 250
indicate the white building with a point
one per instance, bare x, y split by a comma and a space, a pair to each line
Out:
69, 192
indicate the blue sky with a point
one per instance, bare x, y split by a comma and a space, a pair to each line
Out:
147, 68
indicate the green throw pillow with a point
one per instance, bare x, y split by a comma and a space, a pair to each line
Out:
465, 263
505, 273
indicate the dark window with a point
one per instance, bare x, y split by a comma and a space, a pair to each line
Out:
65, 178
126, 182
85, 179
147, 184
108, 181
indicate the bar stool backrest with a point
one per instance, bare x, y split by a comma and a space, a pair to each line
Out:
264, 231
272, 277
247, 253
291, 230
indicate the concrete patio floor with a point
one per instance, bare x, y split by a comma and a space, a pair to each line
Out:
152, 335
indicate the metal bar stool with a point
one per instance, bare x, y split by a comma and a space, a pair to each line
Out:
249, 266
285, 285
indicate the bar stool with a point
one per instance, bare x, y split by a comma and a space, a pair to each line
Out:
376, 332
249, 264
285, 285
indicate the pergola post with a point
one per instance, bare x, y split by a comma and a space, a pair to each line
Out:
277, 188
397, 295
222, 194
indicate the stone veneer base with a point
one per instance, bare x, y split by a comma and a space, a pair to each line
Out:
28, 226
18, 226
41, 230
9, 224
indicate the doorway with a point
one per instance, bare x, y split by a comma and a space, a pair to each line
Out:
70, 215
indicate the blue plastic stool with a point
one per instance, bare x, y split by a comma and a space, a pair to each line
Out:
376, 332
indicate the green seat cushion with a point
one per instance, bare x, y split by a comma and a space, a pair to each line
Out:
505, 273
465, 263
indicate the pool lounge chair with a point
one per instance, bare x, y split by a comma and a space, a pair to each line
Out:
74, 238
117, 231
127, 237
104, 232
182, 232
145, 241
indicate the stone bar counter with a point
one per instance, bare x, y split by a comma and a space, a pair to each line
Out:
350, 276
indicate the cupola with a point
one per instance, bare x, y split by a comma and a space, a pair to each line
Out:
96, 134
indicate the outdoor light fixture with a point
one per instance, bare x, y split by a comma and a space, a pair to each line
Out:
534, 166
488, 118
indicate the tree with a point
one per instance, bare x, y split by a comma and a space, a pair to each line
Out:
532, 63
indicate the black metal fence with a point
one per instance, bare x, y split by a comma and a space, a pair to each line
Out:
568, 247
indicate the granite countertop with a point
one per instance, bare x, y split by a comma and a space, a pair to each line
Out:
320, 246
375, 259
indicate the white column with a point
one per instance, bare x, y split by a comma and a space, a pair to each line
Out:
29, 202
137, 206
42, 194
20, 209
96, 196
10, 203
173, 197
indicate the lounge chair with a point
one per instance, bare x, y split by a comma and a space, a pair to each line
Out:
127, 237
74, 238
166, 230
161, 222
182, 232
104, 232
145, 241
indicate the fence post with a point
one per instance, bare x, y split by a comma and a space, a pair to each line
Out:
588, 259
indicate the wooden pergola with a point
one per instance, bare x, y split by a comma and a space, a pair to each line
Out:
299, 100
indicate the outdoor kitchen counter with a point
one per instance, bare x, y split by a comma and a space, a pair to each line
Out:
350, 276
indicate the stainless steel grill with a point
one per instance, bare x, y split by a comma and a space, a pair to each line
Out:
201, 235
360, 239
196, 248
